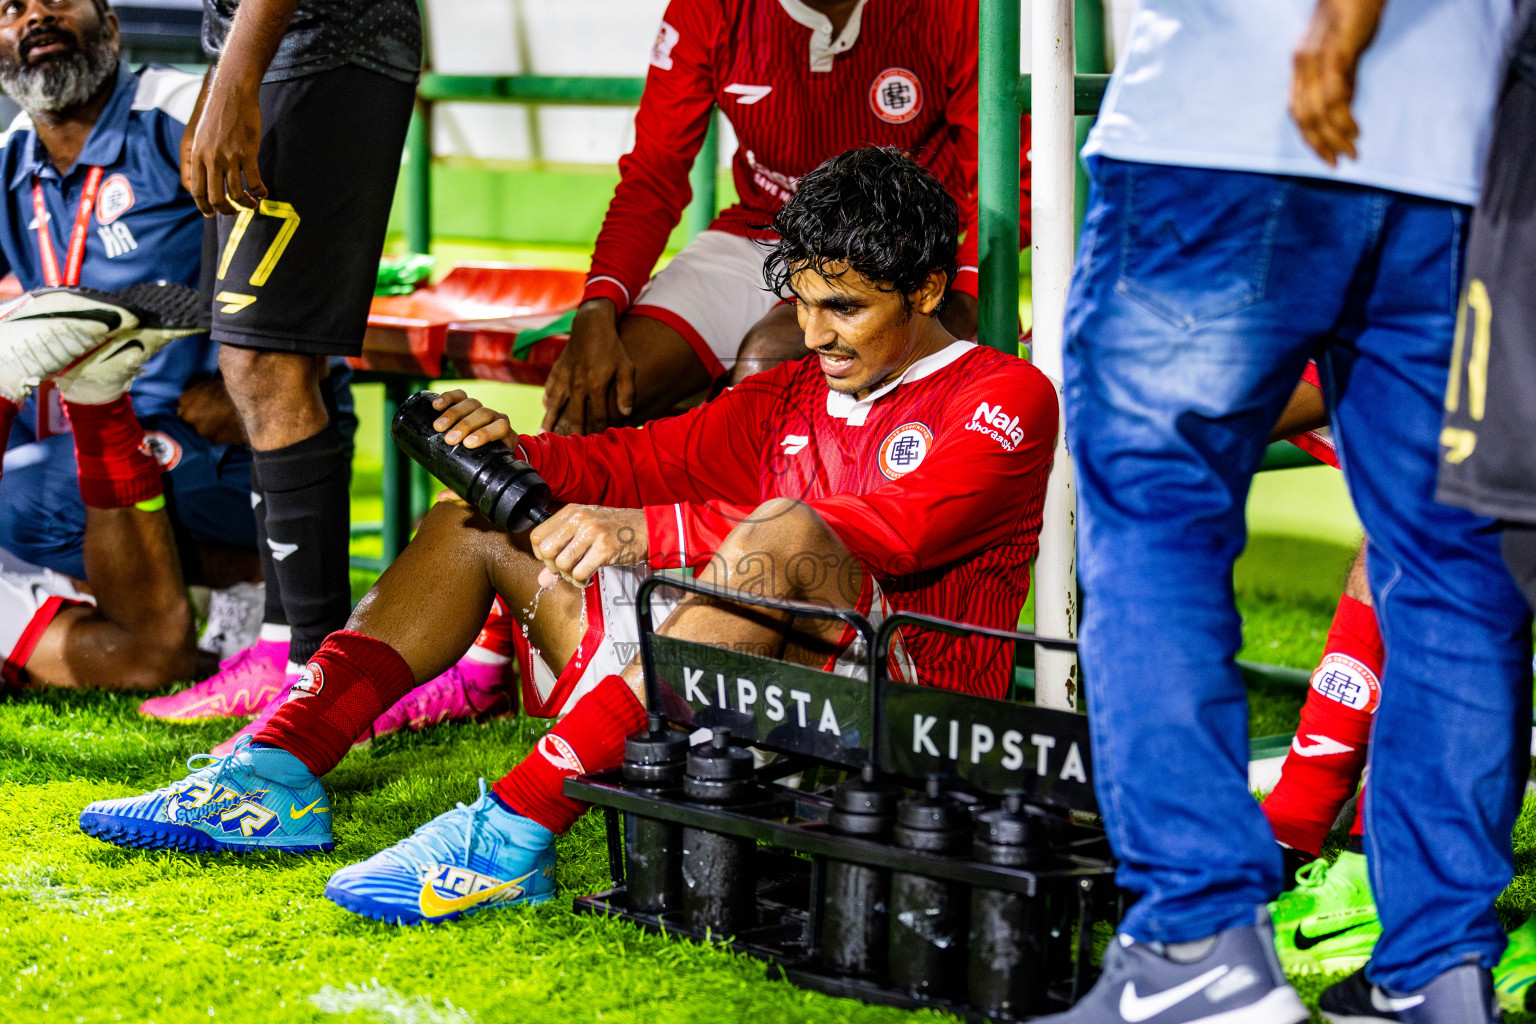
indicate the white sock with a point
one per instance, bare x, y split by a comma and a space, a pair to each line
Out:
276, 632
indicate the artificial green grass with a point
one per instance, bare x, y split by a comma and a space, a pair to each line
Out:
94, 933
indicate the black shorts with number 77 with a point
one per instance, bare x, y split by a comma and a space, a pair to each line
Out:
297, 274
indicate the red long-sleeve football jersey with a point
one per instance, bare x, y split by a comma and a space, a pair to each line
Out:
908, 80
934, 482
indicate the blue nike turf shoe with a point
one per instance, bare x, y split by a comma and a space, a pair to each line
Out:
257, 798
463, 861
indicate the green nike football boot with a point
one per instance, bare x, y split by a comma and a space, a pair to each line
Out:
1514, 977
1328, 923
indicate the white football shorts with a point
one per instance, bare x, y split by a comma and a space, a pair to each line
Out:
612, 638
30, 597
711, 293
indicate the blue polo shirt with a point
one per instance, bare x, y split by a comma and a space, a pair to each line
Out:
145, 227
1206, 83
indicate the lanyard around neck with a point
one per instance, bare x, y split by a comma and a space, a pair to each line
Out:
76, 254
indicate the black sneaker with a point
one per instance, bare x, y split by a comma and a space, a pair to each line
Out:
1238, 981
1462, 995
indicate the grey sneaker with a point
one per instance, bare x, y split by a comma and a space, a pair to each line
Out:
1237, 981
1462, 995
154, 314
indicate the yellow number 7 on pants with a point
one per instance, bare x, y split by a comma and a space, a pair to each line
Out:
234, 302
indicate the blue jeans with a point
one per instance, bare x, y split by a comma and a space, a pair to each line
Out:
1197, 298
42, 519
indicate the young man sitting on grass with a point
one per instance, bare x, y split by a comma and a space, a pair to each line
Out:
907, 467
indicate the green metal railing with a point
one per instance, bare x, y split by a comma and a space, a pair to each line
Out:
625, 92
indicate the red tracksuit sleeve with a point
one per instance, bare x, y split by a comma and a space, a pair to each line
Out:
971, 491
669, 131
960, 112
712, 453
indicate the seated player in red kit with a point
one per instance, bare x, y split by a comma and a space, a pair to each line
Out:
909, 467
799, 81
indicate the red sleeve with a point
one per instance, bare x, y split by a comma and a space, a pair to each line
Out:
680, 458
686, 535
960, 112
669, 131
985, 471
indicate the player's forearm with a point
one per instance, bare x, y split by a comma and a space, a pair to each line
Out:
653, 184
647, 204
253, 39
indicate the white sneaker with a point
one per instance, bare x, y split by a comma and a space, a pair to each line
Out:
161, 312
49, 331
234, 619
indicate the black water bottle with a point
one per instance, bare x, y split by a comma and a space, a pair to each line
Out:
855, 914
506, 489
928, 915
719, 872
1008, 974
654, 761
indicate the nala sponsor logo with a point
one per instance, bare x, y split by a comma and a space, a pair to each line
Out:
995, 423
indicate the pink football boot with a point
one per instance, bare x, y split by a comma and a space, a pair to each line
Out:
468, 690
241, 687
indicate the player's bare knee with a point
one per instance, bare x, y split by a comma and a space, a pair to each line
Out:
785, 548
271, 386
763, 348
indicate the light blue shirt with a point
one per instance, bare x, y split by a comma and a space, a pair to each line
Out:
1206, 83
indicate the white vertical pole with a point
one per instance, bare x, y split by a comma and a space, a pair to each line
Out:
1051, 222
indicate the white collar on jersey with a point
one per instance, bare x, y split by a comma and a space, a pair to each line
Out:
823, 46
856, 411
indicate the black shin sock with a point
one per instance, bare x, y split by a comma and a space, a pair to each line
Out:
273, 613
304, 489
1518, 545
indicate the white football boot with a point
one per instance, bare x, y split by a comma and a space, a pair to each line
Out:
50, 331
160, 311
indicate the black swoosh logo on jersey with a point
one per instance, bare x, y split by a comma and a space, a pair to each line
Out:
1304, 942
104, 316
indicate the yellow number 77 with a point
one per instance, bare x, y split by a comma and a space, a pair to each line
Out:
269, 208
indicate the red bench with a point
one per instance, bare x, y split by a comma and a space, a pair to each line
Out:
467, 324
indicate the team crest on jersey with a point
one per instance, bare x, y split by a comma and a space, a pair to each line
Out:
661, 49
114, 200
163, 448
904, 449
310, 681
1348, 681
896, 95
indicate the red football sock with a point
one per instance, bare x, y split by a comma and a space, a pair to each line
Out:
1358, 828
115, 470
8, 411
589, 739
500, 627
351, 680
1327, 756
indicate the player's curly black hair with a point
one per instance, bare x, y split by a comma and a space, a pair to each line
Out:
875, 210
